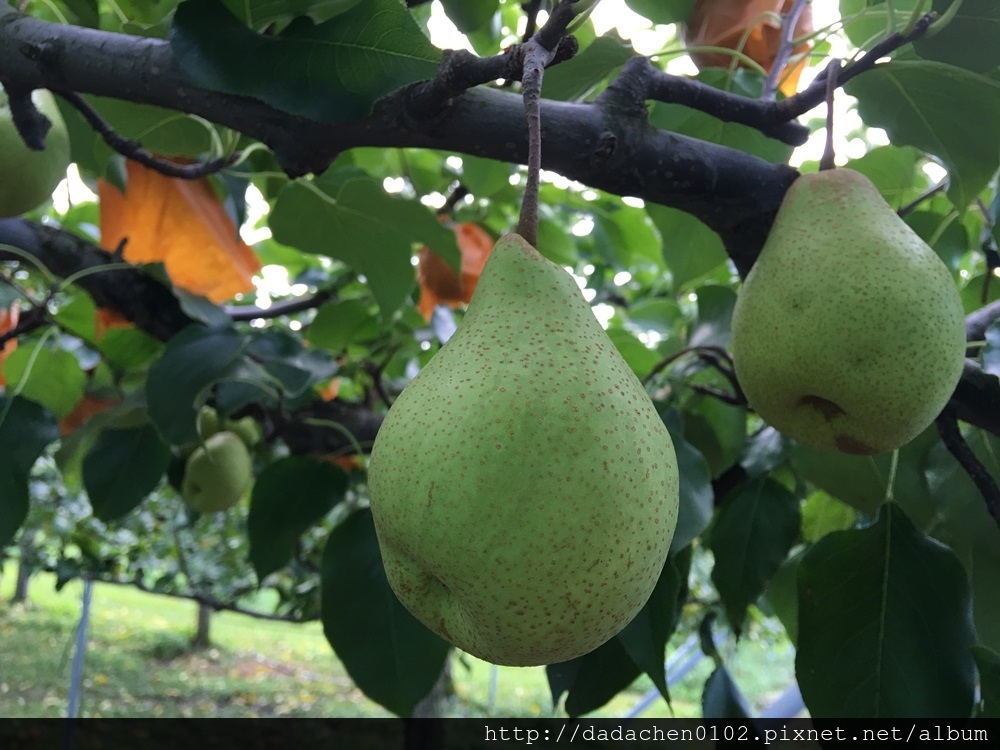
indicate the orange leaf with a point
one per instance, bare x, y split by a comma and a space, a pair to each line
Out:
722, 23
182, 224
332, 389
439, 285
105, 319
347, 463
8, 321
89, 405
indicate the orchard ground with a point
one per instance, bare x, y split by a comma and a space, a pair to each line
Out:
139, 664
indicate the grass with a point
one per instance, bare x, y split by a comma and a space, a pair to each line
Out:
139, 664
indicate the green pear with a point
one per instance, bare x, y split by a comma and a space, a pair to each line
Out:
247, 429
208, 422
523, 487
217, 473
27, 177
849, 332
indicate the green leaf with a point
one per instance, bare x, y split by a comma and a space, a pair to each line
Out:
697, 500
25, 430
286, 360
334, 71
582, 75
988, 664
782, 594
645, 638
893, 170
970, 38
195, 359
163, 131
289, 497
639, 357
951, 244
962, 521
128, 348
715, 313
591, 680
86, 12
721, 699
752, 534
122, 468
51, 377
367, 229
391, 657
822, 514
662, 11
338, 324
690, 249
916, 102
860, 481
484, 177
470, 15
259, 14
866, 22
885, 624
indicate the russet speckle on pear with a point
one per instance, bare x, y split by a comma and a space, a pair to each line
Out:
848, 333
524, 488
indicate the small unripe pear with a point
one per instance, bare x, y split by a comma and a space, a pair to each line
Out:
28, 177
208, 422
217, 474
247, 429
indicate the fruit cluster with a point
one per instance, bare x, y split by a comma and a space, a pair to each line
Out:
219, 468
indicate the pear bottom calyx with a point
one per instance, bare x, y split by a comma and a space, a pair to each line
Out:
848, 333
523, 486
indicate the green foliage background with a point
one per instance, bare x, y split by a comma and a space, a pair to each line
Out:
887, 565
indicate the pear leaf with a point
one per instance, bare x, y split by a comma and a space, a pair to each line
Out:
899, 602
302, 69
26, 428
359, 609
289, 497
915, 102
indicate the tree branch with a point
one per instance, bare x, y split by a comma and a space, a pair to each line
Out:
951, 436
733, 193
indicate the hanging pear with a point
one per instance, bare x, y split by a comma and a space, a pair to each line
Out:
849, 332
524, 488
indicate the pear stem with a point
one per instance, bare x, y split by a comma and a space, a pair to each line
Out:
828, 160
535, 58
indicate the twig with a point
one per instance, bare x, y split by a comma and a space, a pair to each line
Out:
640, 80
670, 358
788, 23
926, 196
461, 70
209, 601
951, 436
278, 309
802, 102
828, 160
531, 10
723, 396
30, 320
535, 56
133, 150
979, 321
31, 124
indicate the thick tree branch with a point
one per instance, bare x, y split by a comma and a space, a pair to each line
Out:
733, 193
